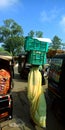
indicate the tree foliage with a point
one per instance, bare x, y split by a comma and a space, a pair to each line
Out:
31, 33
39, 34
35, 34
11, 34
56, 43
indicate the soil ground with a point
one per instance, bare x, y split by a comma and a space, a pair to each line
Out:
21, 114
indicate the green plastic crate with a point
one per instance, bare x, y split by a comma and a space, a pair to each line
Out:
29, 44
34, 44
36, 57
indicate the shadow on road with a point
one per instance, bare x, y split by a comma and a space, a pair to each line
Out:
21, 108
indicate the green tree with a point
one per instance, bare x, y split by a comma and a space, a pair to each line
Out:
36, 34
11, 34
63, 45
1, 49
31, 33
39, 34
56, 43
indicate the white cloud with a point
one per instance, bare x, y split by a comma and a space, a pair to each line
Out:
49, 16
7, 3
62, 23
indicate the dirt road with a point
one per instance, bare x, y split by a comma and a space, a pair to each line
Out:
21, 116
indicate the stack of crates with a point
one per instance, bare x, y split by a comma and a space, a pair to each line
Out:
36, 51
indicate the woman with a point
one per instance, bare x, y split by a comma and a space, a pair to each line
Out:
36, 97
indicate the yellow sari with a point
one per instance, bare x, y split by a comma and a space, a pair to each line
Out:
36, 97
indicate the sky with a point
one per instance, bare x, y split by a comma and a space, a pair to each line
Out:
47, 16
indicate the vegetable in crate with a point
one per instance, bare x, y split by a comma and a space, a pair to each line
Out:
4, 81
